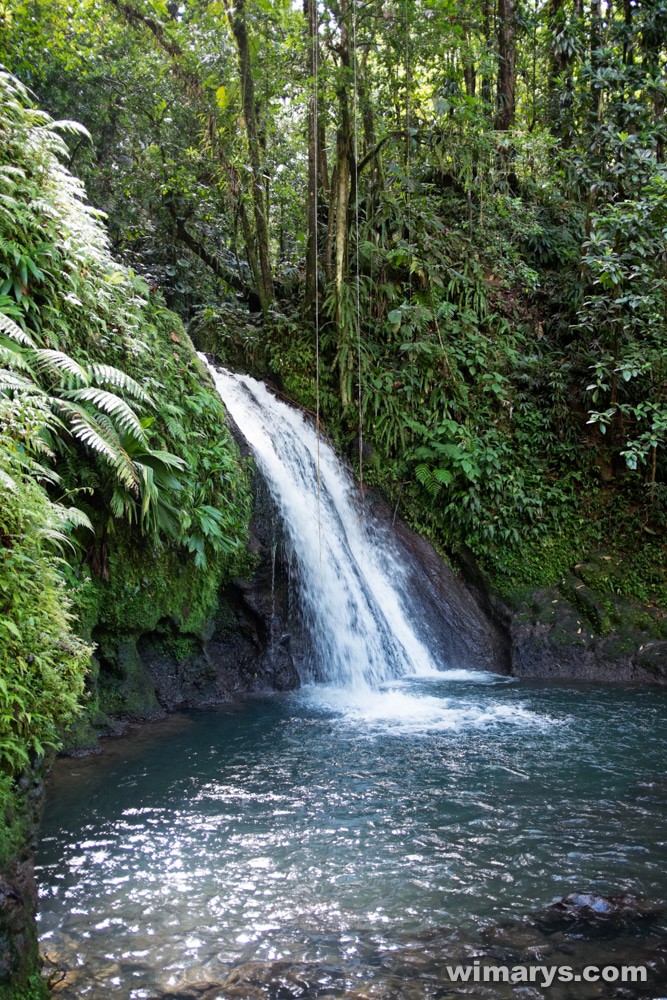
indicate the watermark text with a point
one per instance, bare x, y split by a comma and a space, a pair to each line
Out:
545, 975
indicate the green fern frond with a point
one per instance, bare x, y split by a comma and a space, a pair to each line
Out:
13, 330
58, 539
443, 476
57, 362
71, 517
6, 481
125, 418
120, 504
428, 480
90, 433
10, 382
66, 125
107, 374
175, 428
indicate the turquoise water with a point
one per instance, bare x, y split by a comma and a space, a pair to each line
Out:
324, 828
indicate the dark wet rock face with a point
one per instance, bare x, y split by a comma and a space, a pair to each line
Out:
248, 647
459, 626
18, 904
583, 630
554, 641
18, 889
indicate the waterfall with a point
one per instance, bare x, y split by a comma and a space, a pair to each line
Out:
353, 588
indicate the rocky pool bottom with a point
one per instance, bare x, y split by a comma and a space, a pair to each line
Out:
330, 844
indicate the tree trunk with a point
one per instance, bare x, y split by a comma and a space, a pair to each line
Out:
561, 85
310, 15
343, 187
238, 25
486, 31
596, 41
628, 48
371, 150
469, 73
505, 106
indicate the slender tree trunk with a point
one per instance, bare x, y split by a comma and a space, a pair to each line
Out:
488, 40
339, 203
343, 189
469, 72
506, 93
561, 84
371, 151
628, 48
596, 41
310, 14
557, 63
239, 28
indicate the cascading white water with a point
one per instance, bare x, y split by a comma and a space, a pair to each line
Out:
352, 584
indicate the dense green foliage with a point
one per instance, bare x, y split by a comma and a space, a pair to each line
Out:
123, 501
42, 661
144, 462
474, 196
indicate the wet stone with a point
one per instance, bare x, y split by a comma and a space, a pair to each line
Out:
196, 991
63, 979
588, 915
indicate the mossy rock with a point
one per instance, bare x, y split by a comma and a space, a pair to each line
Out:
589, 605
124, 686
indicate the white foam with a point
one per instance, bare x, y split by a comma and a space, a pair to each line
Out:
457, 676
397, 711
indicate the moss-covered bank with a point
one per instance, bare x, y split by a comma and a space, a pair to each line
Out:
124, 507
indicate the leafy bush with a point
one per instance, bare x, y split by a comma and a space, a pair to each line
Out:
42, 661
73, 323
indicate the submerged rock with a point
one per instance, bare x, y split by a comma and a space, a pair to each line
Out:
589, 915
283, 980
196, 991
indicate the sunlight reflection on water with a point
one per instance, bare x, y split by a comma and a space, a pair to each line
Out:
324, 828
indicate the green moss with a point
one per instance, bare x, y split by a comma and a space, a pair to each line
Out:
32, 988
145, 587
179, 647
124, 686
12, 822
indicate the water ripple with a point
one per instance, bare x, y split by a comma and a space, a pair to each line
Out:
307, 827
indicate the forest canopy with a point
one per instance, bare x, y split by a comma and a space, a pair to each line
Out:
447, 221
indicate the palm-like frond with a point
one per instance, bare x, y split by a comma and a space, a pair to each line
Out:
66, 125
7, 482
71, 517
90, 432
11, 382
